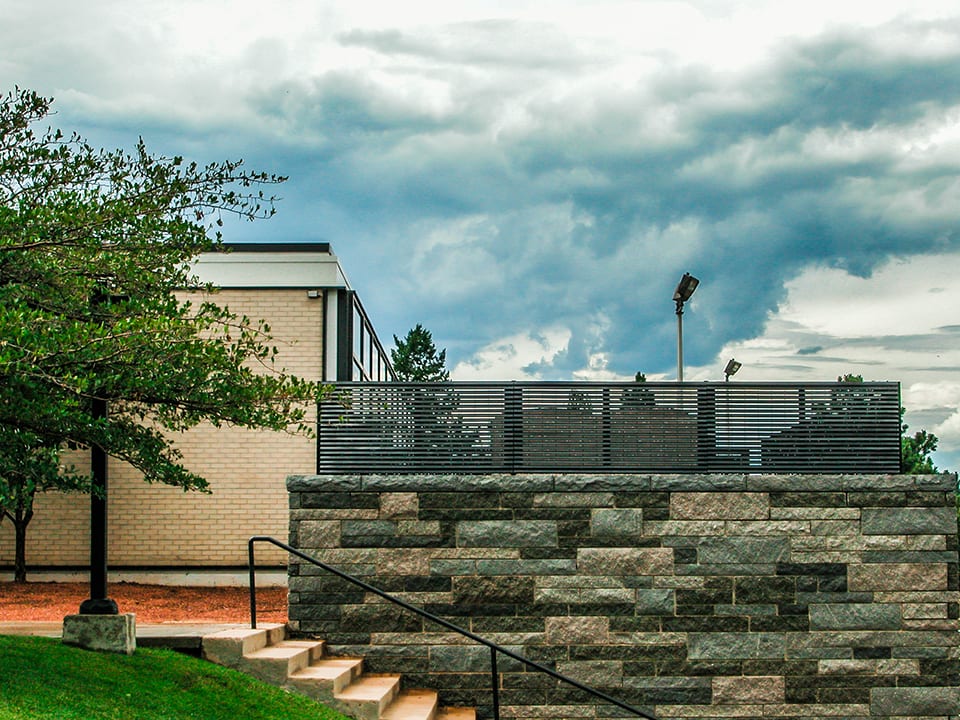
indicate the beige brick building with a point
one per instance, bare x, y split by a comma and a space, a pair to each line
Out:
321, 332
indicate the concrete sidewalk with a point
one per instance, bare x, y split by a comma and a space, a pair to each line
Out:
183, 636
186, 578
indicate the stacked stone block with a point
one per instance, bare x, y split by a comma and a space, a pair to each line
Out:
690, 596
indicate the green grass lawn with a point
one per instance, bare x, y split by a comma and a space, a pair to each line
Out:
41, 678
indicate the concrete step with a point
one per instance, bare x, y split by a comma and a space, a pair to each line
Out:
368, 697
228, 647
412, 705
277, 662
327, 676
301, 665
456, 713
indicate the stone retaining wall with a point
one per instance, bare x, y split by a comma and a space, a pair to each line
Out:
692, 596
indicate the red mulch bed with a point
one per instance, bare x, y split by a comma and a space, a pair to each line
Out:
49, 601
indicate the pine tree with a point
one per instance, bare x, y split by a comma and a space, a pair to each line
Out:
416, 359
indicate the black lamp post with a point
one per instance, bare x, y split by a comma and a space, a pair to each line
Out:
98, 603
731, 369
688, 283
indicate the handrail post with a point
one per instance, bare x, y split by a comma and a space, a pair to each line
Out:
251, 564
495, 683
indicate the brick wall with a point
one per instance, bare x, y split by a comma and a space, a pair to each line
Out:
158, 525
694, 596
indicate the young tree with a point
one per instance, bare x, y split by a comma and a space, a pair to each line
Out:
27, 468
415, 358
95, 253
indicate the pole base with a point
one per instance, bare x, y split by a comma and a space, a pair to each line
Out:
106, 633
98, 606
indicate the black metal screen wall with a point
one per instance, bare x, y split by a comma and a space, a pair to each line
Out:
610, 427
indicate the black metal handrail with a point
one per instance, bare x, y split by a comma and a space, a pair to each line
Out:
490, 427
494, 647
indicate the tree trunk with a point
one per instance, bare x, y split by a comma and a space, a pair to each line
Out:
20, 522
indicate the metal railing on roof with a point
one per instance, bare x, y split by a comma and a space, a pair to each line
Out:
484, 427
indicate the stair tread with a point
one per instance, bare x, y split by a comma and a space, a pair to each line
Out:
302, 643
281, 651
412, 705
240, 633
456, 713
327, 668
369, 687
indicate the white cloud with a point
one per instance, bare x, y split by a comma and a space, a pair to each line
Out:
903, 297
509, 357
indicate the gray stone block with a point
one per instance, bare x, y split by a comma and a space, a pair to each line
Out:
368, 528
855, 616
947, 482
616, 522
323, 483
909, 521
698, 482
548, 566
748, 550
573, 499
734, 569
898, 577
671, 690
914, 701
625, 561
910, 556
313, 534
745, 610
595, 673
594, 483
106, 633
470, 659
719, 506
790, 482
879, 483
507, 533
656, 602
493, 590
735, 646
444, 566
495, 482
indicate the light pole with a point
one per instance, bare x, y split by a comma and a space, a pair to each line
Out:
98, 603
731, 369
688, 283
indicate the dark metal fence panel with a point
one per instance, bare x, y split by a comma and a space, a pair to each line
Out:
614, 427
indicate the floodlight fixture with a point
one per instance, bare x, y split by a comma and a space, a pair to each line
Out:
731, 369
688, 283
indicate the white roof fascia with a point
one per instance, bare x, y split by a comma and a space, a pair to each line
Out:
239, 269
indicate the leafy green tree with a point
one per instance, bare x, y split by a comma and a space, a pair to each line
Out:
850, 378
96, 305
416, 359
27, 468
915, 451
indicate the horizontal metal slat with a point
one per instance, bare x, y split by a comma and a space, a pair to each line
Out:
620, 427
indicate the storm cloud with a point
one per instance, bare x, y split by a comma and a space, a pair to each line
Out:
531, 186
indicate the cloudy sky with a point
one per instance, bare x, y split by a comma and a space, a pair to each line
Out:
530, 179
